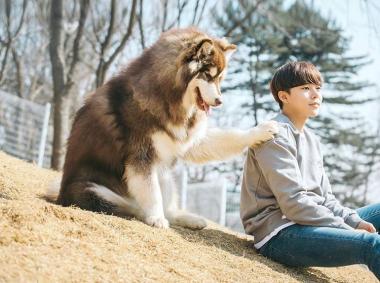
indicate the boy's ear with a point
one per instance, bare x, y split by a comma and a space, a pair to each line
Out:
283, 96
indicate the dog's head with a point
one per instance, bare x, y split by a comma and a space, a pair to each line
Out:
185, 66
205, 64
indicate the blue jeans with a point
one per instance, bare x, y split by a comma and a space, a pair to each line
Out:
304, 246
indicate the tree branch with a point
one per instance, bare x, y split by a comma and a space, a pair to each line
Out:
202, 11
141, 28
19, 73
180, 10
24, 5
55, 46
10, 37
195, 11
107, 39
84, 5
4, 62
125, 37
8, 42
165, 15
105, 44
241, 21
94, 27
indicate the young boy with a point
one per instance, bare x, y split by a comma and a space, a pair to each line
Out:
286, 199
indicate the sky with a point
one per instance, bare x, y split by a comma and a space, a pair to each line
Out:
360, 21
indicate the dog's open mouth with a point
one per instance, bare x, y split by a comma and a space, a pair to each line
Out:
202, 105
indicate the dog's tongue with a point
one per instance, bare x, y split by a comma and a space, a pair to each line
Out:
209, 111
206, 108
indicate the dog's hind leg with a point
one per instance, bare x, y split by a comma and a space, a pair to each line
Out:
144, 188
170, 201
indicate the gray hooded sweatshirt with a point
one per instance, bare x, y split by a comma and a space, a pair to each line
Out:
284, 183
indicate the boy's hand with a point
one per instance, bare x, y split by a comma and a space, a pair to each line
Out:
364, 225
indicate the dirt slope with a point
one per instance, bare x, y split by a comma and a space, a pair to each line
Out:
44, 242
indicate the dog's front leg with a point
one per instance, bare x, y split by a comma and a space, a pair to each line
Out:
220, 144
144, 188
173, 214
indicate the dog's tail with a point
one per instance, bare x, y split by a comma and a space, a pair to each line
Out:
52, 191
98, 198
121, 205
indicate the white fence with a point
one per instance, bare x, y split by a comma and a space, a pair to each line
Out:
210, 199
24, 129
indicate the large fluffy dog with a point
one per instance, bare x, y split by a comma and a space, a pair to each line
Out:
131, 131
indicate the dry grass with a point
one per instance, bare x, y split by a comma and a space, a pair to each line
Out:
43, 242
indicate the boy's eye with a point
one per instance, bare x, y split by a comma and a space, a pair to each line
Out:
305, 87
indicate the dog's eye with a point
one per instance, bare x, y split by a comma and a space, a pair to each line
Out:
208, 76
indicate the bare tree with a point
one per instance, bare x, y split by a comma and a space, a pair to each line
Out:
19, 72
177, 15
250, 11
105, 60
198, 13
62, 78
23, 42
10, 34
140, 22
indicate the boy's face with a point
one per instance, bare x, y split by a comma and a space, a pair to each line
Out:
304, 100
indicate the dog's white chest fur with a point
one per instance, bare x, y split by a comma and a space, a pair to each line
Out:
169, 149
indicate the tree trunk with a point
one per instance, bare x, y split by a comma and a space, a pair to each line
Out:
100, 73
103, 65
19, 73
61, 130
58, 74
63, 81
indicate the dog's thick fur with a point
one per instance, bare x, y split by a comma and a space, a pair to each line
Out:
131, 131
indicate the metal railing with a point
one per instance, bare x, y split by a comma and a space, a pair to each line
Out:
24, 129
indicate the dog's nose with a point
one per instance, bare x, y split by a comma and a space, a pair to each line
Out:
218, 101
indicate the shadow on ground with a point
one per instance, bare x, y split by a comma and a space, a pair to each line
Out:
238, 246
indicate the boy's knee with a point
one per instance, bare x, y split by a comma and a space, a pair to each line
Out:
372, 242
372, 251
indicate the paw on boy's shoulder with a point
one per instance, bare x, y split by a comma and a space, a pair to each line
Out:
281, 135
285, 131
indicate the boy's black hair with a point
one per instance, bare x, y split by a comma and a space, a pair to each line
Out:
294, 74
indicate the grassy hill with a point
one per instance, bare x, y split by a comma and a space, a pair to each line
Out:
43, 242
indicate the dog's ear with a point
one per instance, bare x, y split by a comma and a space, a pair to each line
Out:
205, 50
201, 54
227, 48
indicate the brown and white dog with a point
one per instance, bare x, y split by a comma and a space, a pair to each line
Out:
130, 132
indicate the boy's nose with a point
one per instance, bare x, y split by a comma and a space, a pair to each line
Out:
315, 93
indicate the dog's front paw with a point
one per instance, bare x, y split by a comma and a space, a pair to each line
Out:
197, 224
193, 222
264, 132
187, 220
157, 221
